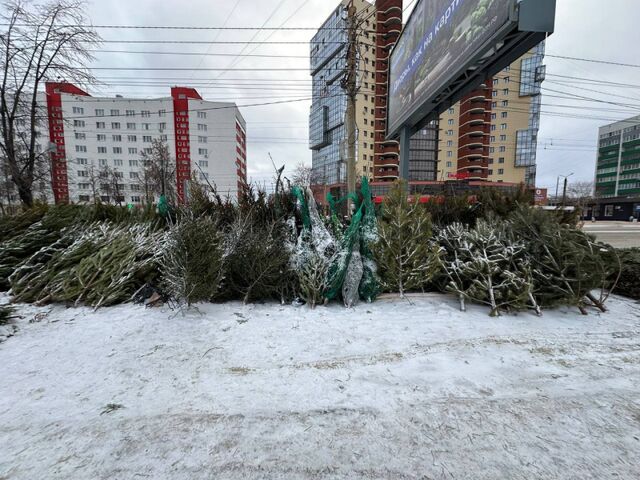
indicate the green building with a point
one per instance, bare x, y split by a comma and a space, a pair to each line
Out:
618, 168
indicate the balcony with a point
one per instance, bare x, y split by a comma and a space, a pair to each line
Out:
387, 176
387, 150
386, 164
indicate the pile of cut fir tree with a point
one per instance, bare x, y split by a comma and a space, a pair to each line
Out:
493, 250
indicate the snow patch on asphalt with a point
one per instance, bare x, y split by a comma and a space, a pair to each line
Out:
397, 389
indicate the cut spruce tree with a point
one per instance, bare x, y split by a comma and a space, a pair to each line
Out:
193, 262
485, 265
569, 266
314, 250
407, 258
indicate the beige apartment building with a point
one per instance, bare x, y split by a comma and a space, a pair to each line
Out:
501, 147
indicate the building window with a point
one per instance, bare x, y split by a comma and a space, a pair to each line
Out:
202, 114
145, 113
117, 163
78, 110
100, 125
608, 210
130, 113
99, 112
102, 149
81, 161
81, 148
202, 139
504, 114
115, 113
501, 171
133, 151
131, 126
202, 127
503, 126
117, 149
146, 138
162, 113
78, 123
132, 138
203, 151
81, 136
115, 125
500, 159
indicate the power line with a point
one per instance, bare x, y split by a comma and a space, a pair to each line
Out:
177, 27
218, 42
206, 54
591, 60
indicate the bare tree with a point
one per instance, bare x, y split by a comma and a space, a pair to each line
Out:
41, 42
304, 176
111, 184
581, 190
159, 172
581, 193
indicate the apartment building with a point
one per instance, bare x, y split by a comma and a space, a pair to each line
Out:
491, 134
207, 141
618, 162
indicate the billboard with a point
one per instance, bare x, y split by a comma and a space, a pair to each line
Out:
438, 42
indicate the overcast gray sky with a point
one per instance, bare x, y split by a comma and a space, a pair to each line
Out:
585, 28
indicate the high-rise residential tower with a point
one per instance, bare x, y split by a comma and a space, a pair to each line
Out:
492, 133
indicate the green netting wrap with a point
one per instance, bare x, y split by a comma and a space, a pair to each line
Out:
369, 285
354, 263
304, 207
338, 269
163, 206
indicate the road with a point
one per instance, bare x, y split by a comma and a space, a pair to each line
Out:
618, 234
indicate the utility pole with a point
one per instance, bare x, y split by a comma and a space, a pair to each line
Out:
564, 191
350, 84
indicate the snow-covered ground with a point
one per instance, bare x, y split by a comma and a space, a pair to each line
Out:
393, 390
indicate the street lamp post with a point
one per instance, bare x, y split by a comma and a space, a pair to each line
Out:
564, 192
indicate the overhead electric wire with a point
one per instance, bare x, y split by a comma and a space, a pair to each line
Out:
591, 60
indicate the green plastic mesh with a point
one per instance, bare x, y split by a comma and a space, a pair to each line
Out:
362, 232
304, 207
